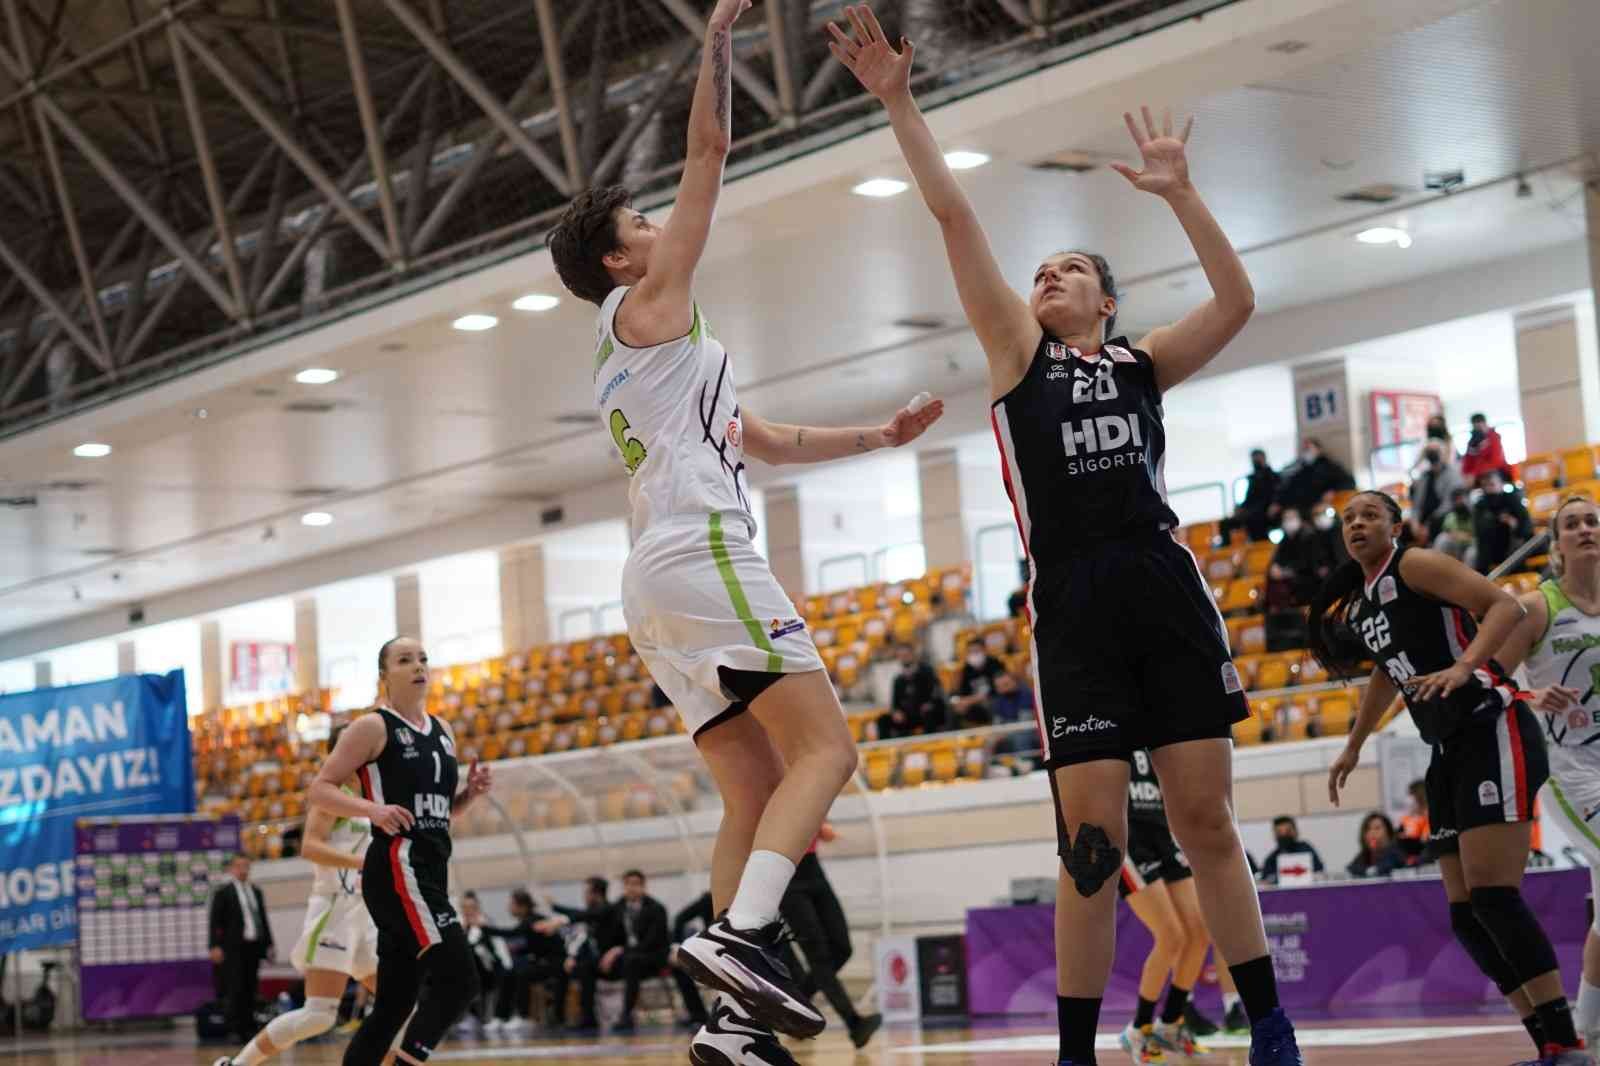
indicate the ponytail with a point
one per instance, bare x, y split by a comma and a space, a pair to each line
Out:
1331, 640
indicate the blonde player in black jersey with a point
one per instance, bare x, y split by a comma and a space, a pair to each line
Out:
405, 761
1432, 626
1131, 652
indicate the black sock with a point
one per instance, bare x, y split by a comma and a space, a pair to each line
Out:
1555, 1021
1531, 1023
1077, 1019
1177, 1000
1258, 986
1145, 1013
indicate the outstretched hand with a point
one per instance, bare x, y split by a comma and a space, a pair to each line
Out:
881, 70
726, 13
907, 424
1166, 166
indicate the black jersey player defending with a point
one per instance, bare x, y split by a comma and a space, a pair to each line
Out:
1432, 625
405, 760
1130, 649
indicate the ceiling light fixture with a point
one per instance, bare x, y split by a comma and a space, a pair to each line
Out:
536, 301
317, 376
92, 450
963, 160
1385, 235
475, 323
880, 188
316, 518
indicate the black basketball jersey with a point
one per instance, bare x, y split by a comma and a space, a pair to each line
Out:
1145, 803
1409, 634
416, 770
1082, 448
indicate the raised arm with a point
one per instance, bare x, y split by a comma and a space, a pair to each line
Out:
1448, 580
1183, 348
663, 297
1002, 319
777, 444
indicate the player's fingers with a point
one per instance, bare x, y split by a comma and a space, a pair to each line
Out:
1133, 128
871, 21
841, 55
863, 35
841, 41
1149, 121
1188, 128
1127, 172
1166, 122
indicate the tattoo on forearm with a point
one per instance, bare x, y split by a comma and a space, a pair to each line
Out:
799, 438
719, 76
861, 442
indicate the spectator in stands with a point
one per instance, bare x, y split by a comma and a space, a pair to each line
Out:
537, 956
1299, 564
1289, 846
1310, 478
1485, 452
1414, 823
1255, 514
593, 920
976, 691
1456, 535
1017, 604
916, 702
637, 945
1432, 490
494, 964
1376, 855
1499, 520
689, 921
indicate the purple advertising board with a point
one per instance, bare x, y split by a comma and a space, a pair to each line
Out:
1338, 946
144, 888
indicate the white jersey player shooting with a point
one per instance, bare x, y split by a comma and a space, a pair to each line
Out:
717, 632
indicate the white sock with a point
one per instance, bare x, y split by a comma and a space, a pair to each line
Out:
766, 878
1229, 1001
252, 1055
1587, 1016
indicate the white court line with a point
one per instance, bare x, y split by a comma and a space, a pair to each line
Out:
526, 1052
1308, 1038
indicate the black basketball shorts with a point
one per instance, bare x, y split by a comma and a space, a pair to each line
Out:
407, 895
1153, 855
1486, 773
1129, 652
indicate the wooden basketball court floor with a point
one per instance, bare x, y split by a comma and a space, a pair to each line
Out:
1460, 1041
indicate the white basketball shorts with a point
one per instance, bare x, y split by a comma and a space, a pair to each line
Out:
338, 935
698, 596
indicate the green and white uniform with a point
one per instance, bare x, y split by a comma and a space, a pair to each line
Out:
1568, 654
338, 933
695, 592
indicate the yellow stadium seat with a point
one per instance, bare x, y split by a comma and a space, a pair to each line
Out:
1244, 594
1202, 535
974, 760
942, 762
875, 630
1246, 665
1542, 505
1247, 732
1541, 469
1247, 634
879, 767
1257, 558
1220, 567
1577, 464
1273, 673
1336, 714
914, 767
1312, 671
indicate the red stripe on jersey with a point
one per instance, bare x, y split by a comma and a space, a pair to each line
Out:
1457, 617
366, 783
1520, 764
399, 874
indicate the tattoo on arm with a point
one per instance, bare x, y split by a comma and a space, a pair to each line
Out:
719, 76
799, 438
861, 442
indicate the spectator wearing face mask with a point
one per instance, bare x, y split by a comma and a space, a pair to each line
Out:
1254, 515
1299, 564
1290, 849
916, 702
1431, 491
975, 693
1500, 521
1485, 452
1457, 534
1312, 477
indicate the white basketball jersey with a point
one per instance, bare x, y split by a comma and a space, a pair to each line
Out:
351, 836
1569, 654
673, 417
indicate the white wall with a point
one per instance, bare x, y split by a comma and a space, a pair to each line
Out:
173, 646
582, 570
461, 607
269, 621
857, 507
95, 660
16, 675
354, 619
1212, 424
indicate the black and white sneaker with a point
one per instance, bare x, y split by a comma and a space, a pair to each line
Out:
732, 1038
744, 963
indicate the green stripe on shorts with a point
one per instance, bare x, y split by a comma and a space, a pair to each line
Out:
316, 935
741, 606
1573, 816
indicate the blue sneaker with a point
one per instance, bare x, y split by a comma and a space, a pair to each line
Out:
1272, 1041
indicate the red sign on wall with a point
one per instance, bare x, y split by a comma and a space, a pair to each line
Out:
260, 666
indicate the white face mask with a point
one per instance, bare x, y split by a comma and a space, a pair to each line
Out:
1290, 528
976, 659
1323, 522
1308, 456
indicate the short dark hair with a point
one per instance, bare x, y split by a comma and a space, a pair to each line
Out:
586, 234
469, 894
1258, 451
522, 898
1479, 417
1283, 819
633, 873
599, 884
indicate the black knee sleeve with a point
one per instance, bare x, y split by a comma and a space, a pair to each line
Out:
1517, 933
1091, 860
1481, 948
451, 984
398, 981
